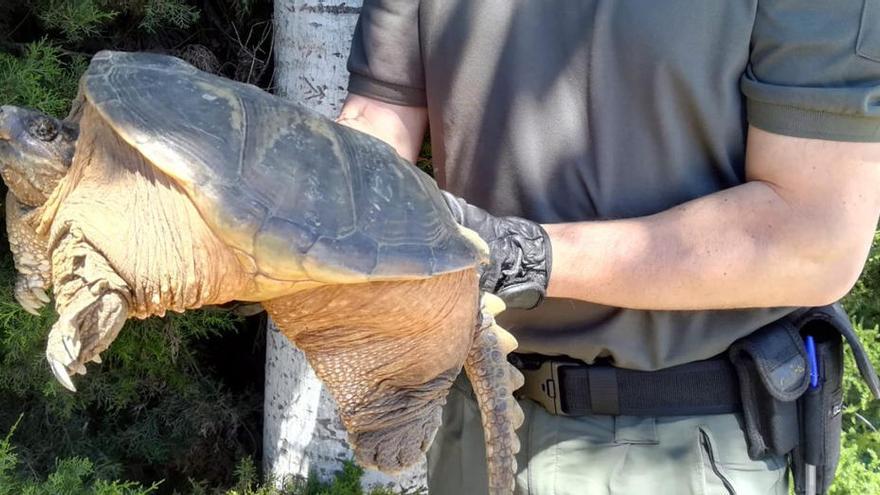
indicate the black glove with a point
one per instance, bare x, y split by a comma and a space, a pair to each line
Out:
519, 249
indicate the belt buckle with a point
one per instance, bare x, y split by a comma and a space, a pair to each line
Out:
542, 386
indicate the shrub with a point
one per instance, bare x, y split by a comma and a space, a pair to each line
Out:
160, 13
155, 409
73, 476
77, 20
346, 482
859, 470
151, 411
176, 399
40, 79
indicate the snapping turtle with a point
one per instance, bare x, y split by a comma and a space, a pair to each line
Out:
170, 188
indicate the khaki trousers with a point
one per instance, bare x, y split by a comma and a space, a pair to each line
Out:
603, 455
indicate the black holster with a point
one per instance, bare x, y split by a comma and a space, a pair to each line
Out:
820, 410
783, 415
772, 368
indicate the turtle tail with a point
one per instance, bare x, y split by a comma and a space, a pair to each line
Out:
494, 380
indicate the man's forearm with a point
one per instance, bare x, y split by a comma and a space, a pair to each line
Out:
796, 234
741, 247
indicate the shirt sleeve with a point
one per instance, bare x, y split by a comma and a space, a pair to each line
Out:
814, 69
385, 62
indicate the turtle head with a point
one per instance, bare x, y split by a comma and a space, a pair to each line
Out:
35, 152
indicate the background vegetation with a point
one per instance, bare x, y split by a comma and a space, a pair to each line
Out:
859, 471
176, 406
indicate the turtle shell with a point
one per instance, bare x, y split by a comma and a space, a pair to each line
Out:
305, 197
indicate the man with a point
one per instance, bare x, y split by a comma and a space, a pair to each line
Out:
697, 167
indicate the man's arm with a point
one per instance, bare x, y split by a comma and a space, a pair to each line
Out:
795, 234
403, 127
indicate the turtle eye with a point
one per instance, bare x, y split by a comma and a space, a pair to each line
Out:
43, 128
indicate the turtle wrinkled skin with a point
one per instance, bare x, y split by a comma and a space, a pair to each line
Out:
168, 188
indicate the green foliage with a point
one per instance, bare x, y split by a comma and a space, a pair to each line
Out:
150, 403
231, 37
863, 302
346, 482
159, 13
40, 79
152, 410
859, 470
8, 462
76, 19
164, 405
72, 476
242, 8
424, 159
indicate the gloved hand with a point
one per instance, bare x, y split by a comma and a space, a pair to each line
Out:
520, 256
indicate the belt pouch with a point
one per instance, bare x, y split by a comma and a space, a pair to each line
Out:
771, 365
821, 408
821, 411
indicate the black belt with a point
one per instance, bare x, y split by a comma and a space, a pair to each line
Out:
572, 388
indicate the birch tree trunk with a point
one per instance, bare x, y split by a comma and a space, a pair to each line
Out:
302, 431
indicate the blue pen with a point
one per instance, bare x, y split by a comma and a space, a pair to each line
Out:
810, 469
814, 362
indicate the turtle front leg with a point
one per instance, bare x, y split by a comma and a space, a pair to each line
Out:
30, 255
494, 380
92, 304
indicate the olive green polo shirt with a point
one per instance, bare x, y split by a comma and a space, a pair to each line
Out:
570, 110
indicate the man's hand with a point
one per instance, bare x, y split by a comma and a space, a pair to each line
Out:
519, 250
401, 127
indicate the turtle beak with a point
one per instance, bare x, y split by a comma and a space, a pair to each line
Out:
4, 128
5, 136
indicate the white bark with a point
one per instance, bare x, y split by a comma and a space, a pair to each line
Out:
302, 432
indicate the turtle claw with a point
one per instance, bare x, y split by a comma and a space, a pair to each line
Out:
492, 304
73, 347
63, 351
30, 298
69, 351
29, 307
61, 374
78, 368
41, 295
247, 309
